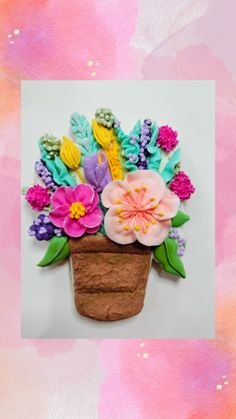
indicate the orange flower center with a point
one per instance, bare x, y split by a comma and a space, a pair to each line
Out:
77, 210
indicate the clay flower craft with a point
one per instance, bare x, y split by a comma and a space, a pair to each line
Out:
140, 208
96, 171
182, 186
76, 210
43, 229
38, 197
71, 156
167, 138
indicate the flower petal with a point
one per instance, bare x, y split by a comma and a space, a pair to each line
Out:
57, 215
152, 180
92, 230
113, 191
62, 196
155, 234
168, 206
73, 227
84, 194
92, 219
94, 203
115, 230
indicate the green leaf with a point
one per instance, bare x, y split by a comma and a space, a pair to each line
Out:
179, 219
58, 249
166, 255
104, 210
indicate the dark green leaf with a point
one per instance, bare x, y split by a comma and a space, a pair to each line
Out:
104, 210
58, 249
179, 219
166, 255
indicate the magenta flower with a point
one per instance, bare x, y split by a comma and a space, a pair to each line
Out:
38, 197
167, 138
182, 186
76, 210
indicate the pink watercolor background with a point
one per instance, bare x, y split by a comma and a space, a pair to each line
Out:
188, 39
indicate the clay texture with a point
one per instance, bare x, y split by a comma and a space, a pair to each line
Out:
109, 279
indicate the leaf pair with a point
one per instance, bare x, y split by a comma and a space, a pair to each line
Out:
179, 219
58, 250
166, 255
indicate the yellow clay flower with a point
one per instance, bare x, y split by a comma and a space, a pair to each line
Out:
70, 155
106, 139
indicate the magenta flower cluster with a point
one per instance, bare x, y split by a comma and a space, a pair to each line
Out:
167, 138
38, 197
182, 186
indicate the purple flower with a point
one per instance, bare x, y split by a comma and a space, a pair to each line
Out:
41, 229
46, 176
96, 171
117, 123
132, 157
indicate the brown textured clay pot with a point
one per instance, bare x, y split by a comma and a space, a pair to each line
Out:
109, 279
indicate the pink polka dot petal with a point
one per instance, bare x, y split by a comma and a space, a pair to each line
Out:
168, 206
113, 191
115, 229
155, 233
151, 180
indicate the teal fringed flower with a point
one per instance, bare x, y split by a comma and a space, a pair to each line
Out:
105, 117
51, 144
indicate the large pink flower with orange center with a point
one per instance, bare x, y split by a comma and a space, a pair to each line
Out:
140, 208
76, 210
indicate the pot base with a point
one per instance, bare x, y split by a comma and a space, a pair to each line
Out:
109, 279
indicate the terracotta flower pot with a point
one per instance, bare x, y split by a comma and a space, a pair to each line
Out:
109, 279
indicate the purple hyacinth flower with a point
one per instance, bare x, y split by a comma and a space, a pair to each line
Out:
180, 252
42, 230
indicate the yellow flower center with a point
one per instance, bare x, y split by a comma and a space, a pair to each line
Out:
77, 210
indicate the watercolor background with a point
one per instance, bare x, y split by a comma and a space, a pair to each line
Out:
119, 39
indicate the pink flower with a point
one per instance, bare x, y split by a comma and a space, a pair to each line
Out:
167, 138
140, 208
182, 186
38, 197
76, 210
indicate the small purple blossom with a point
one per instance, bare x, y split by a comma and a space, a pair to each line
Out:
117, 123
41, 229
180, 252
132, 157
181, 242
46, 176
